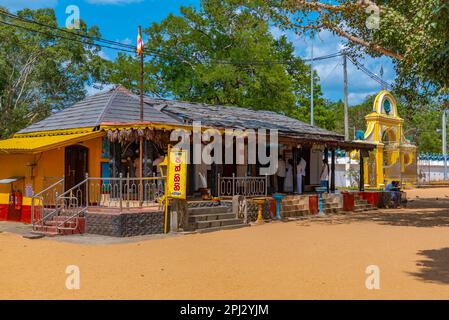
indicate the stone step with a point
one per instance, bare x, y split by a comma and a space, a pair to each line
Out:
49, 231
292, 207
333, 210
296, 213
54, 223
210, 217
228, 227
331, 205
216, 223
207, 210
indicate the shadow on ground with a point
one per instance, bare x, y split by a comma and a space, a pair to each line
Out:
434, 266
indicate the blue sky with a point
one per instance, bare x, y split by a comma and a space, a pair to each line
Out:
118, 20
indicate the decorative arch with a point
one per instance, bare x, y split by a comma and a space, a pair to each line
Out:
385, 104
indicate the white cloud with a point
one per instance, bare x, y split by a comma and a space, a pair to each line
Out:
113, 1
94, 89
331, 70
14, 5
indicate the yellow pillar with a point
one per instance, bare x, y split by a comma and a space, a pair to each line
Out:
380, 165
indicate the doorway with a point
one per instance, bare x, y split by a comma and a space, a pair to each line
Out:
75, 165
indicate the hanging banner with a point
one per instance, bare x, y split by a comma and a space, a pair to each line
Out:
177, 174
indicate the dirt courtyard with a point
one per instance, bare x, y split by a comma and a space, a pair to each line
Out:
309, 259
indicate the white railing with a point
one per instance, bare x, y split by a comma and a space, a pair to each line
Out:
45, 201
118, 193
125, 192
245, 186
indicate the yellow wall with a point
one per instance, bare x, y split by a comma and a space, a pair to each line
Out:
48, 164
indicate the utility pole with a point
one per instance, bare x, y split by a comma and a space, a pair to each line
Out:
345, 75
346, 119
141, 119
443, 130
311, 89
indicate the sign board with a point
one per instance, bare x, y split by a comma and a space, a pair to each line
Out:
177, 174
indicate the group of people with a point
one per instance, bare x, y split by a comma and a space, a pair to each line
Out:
394, 191
285, 175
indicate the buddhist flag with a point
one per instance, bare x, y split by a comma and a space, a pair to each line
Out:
139, 43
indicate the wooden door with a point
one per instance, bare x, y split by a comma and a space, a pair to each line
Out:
75, 167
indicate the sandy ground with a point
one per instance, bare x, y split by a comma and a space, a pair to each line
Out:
310, 259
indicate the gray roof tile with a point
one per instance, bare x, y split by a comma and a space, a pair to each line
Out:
121, 106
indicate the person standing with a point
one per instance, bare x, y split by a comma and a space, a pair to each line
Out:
280, 174
324, 175
300, 173
288, 182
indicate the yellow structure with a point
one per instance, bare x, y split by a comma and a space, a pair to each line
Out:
39, 156
394, 157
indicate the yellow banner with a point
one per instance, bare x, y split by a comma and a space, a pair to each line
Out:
177, 174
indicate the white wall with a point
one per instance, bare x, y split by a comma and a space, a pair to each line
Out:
427, 171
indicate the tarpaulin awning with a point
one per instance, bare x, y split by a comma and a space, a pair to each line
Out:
39, 143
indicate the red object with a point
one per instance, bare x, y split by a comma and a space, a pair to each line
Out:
348, 201
18, 201
26, 214
313, 204
15, 206
81, 226
372, 197
273, 207
4, 208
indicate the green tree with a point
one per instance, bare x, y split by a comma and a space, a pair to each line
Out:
220, 54
412, 32
42, 72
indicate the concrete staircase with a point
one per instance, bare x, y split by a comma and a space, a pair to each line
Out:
58, 225
361, 205
213, 218
294, 206
332, 204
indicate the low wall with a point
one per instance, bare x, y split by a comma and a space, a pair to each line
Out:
125, 224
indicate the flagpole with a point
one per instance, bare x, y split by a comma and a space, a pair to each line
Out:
141, 120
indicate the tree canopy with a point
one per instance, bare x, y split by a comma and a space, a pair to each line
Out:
412, 32
40, 71
220, 54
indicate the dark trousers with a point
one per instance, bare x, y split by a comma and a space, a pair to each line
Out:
281, 184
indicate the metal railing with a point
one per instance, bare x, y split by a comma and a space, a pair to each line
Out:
46, 200
119, 193
245, 186
125, 192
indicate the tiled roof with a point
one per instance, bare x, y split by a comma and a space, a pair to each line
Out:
116, 105
238, 118
121, 106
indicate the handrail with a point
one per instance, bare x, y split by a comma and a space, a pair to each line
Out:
58, 226
40, 196
73, 188
48, 188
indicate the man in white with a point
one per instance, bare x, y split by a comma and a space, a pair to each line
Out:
288, 182
300, 172
281, 173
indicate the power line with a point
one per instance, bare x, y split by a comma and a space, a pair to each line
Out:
65, 38
98, 39
129, 47
110, 44
118, 46
372, 75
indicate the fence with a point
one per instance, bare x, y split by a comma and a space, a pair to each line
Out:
116, 193
245, 186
